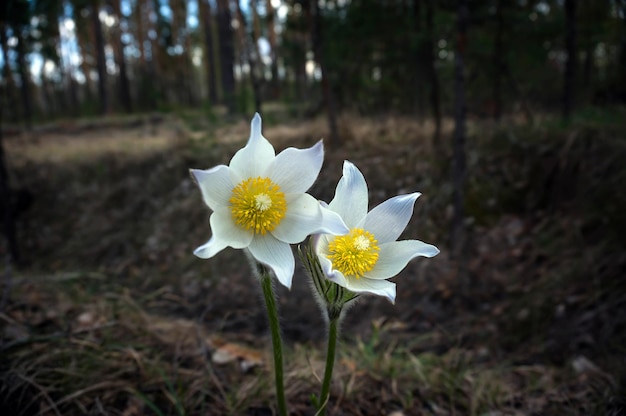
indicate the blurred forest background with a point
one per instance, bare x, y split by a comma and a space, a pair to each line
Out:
509, 117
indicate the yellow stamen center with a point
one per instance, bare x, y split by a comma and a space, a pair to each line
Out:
355, 253
258, 205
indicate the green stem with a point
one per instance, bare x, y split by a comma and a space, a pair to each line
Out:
330, 363
272, 315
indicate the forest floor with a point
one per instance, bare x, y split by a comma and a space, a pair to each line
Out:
111, 314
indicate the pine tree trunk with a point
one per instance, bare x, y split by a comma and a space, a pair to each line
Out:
124, 84
25, 80
100, 57
84, 52
226, 53
250, 53
271, 37
318, 41
8, 218
570, 64
207, 24
497, 62
621, 62
435, 101
10, 93
459, 155
421, 58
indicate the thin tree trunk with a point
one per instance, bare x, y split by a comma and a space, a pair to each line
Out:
10, 93
271, 37
72, 91
227, 54
48, 100
160, 63
146, 69
621, 62
250, 54
421, 58
84, 52
207, 24
433, 78
124, 84
570, 64
100, 57
318, 42
497, 62
25, 79
8, 217
254, 56
459, 175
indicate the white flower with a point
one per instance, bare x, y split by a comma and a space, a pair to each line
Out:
363, 259
259, 202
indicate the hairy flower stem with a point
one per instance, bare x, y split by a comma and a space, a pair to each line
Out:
333, 298
330, 363
272, 315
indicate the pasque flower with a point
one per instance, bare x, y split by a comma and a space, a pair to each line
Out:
259, 202
363, 259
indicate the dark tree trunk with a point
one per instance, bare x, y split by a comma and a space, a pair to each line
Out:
100, 57
6, 207
329, 99
227, 53
621, 63
570, 64
25, 79
124, 84
83, 45
251, 54
459, 158
497, 62
421, 57
434, 97
207, 23
48, 99
10, 90
72, 90
271, 35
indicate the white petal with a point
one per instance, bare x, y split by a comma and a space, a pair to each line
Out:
256, 156
305, 216
320, 243
351, 199
332, 223
295, 170
225, 234
333, 275
389, 219
395, 255
275, 254
210, 248
377, 287
215, 184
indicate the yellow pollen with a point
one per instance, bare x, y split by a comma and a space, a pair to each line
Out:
355, 253
258, 205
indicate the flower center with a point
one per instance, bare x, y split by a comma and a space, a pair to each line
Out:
355, 253
258, 205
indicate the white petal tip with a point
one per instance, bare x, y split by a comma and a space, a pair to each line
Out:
255, 125
285, 281
194, 173
201, 252
430, 251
